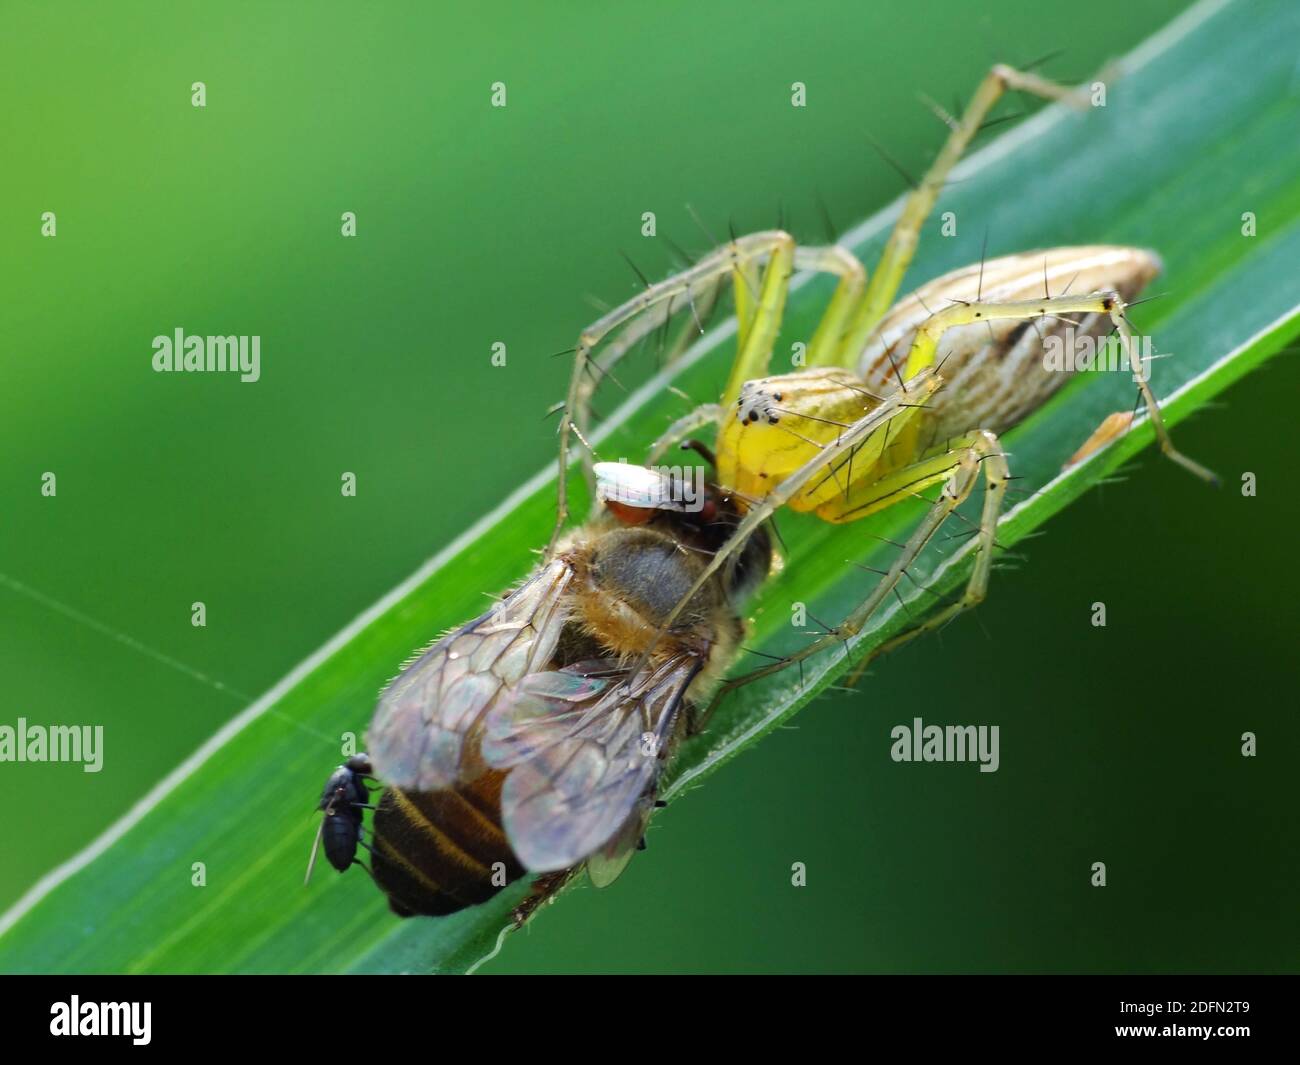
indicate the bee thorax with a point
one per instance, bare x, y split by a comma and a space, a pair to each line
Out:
633, 580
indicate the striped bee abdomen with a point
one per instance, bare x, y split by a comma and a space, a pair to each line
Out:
438, 852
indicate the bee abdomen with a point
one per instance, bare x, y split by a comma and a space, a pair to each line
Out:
438, 852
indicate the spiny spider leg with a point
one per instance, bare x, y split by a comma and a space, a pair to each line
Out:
903, 239
959, 467
915, 393
760, 310
928, 336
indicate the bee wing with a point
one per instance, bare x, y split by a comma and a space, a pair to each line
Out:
608, 863
418, 736
581, 762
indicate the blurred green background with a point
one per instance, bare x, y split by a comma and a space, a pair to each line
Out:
478, 225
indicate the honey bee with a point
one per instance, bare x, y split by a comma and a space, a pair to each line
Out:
891, 397
533, 738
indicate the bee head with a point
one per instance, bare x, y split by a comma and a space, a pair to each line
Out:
679, 504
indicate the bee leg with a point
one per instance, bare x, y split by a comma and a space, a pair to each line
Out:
544, 889
926, 344
370, 869
903, 239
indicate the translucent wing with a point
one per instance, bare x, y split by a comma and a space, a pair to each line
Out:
418, 736
582, 760
315, 850
608, 863
993, 371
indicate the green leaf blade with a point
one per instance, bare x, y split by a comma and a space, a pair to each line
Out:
1183, 147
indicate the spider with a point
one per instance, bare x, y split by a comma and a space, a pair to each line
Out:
864, 423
